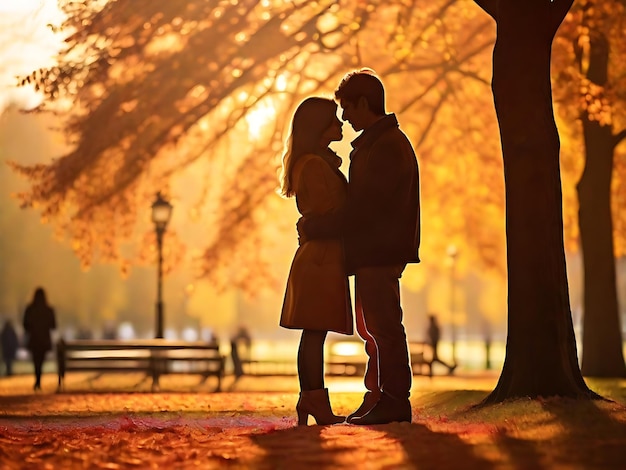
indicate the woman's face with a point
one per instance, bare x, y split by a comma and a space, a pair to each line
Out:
333, 133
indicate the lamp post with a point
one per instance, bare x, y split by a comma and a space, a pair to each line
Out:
452, 255
161, 214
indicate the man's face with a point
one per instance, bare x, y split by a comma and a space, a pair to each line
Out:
354, 113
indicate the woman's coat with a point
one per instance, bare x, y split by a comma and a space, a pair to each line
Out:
317, 296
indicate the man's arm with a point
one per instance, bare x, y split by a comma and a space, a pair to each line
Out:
323, 219
317, 227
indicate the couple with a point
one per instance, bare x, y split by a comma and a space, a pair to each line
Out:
369, 228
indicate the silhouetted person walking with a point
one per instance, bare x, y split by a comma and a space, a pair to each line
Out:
434, 334
39, 320
10, 343
241, 338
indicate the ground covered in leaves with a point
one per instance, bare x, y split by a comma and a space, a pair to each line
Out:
107, 423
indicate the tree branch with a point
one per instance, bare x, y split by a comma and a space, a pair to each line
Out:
490, 6
617, 138
433, 117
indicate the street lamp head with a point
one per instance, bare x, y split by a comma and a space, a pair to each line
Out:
161, 212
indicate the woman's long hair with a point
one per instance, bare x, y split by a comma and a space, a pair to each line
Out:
39, 298
312, 117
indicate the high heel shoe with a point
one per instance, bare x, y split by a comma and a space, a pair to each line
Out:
317, 404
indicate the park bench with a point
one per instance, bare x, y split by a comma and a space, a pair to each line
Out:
269, 367
154, 357
288, 367
421, 358
348, 358
343, 358
337, 362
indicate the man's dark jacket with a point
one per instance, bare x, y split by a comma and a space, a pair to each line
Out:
381, 224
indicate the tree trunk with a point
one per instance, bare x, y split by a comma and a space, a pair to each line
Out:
541, 358
602, 334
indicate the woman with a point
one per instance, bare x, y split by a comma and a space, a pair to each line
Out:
39, 319
317, 298
10, 343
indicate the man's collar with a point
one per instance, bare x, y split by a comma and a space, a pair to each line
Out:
386, 122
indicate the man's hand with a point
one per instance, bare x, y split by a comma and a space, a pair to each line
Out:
302, 238
320, 227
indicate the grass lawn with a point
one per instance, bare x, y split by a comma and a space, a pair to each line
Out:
528, 434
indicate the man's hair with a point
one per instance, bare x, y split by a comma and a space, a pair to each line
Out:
362, 83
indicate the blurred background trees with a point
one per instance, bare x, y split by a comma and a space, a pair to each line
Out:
193, 98
591, 89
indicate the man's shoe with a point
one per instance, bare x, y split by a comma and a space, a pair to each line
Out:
387, 410
369, 401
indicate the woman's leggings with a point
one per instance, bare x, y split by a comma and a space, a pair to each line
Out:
311, 359
38, 357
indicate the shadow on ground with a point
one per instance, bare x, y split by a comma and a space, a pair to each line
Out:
396, 445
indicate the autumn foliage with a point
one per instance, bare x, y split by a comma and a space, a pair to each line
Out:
193, 98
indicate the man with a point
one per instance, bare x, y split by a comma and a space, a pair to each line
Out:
381, 229
241, 338
434, 334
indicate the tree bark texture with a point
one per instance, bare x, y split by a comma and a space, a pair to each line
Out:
541, 357
602, 354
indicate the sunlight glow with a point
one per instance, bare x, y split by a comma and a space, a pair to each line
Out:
26, 44
347, 348
126, 331
190, 334
262, 114
281, 83
169, 43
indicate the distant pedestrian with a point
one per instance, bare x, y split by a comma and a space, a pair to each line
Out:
434, 334
10, 343
487, 340
239, 355
39, 320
